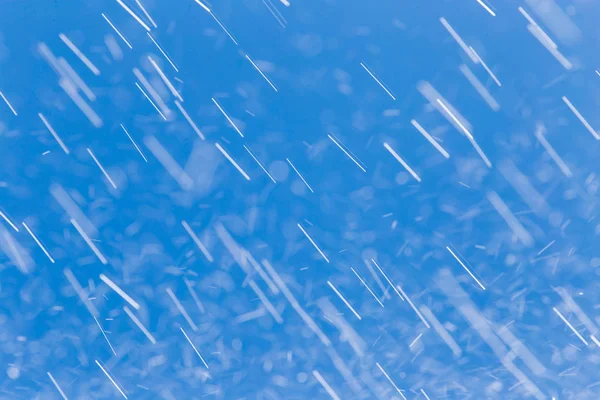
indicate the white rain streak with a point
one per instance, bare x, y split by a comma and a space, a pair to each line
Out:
8, 103
134, 143
53, 132
436, 100
488, 9
46, 252
190, 289
575, 309
164, 110
72, 209
478, 86
163, 52
197, 241
367, 286
346, 330
275, 13
299, 174
539, 134
325, 385
484, 65
111, 379
458, 39
263, 298
521, 351
8, 221
580, 118
390, 380
556, 20
346, 152
189, 120
166, 80
261, 73
596, 341
89, 242
465, 267
73, 76
413, 306
139, 324
511, 220
57, 386
182, 310
232, 161
134, 15
536, 202
401, 161
570, 326
545, 40
227, 117
384, 87
105, 337
117, 31
415, 341
259, 163
81, 293
441, 331
112, 183
313, 242
169, 163
389, 281
246, 256
17, 254
151, 102
194, 347
119, 291
146, 13
84, 107
430, 138
344, 300
113, 47
384, 291
79, 54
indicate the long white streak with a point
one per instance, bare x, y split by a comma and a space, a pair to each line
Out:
580, 117
18, 258
188, 284
378, 81
439, 328
401, 161
574, 307
387, 279
570, 326
8, 221
89, 242
429, 138
203, 6
146, 13
189, 120
53, 132
164, 78
458, 39
413, 306
299, 174
313, 242
346, 153
153, 93
70, 89
425, 394
134, 143
117, 31
80, 292
263, 298
150, 100
224, 28
260, 72
344, 300
227, 116
553, 154
39, 243
8, 103
510, 219
56, 385
368, 288
139, 325
168, 162
105, 337
194, 347
488, 10
259, 163
456, 121
232, 161
325, 385
111, 379
478, 86
163, 52
79, 54
487, 69
197, 241
119, 291
74, 76
390, 380
101, 168
181, 309
134, 15
480, 152
465, 267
